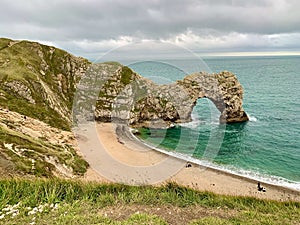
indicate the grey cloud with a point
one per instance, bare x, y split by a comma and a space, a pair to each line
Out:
91, 20
107, 19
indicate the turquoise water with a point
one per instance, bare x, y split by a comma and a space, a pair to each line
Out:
265, 148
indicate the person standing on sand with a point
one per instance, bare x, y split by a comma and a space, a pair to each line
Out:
260, 188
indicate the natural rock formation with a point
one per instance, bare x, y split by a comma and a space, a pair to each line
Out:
223, 89
175, 102
39, 81
126, 96
37, 85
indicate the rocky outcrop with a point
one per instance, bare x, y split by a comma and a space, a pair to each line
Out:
140, 102
174, 103
39, 81
37, 86
223, 89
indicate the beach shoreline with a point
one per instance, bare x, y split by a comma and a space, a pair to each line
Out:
123, 147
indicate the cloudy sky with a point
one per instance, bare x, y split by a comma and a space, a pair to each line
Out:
91, 27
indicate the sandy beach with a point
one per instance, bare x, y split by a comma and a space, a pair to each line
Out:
160, 168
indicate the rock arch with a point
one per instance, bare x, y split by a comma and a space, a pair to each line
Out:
223, 89
141, 102
160, 105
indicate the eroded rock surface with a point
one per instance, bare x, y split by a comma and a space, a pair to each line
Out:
126, 96
223, 89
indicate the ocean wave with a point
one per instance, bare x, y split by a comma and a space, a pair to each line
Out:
252, 118
196, 123
254, 175
192, 125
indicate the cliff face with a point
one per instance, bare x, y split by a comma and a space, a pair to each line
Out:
140, 102
37, 85
39, 81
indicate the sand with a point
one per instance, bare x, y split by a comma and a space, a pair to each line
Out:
133, 163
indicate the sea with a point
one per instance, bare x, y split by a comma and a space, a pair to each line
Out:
267, 147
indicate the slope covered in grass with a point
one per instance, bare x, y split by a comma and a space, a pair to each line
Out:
39, 81
56, 201
37, 87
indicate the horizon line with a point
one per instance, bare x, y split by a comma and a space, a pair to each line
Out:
264, 53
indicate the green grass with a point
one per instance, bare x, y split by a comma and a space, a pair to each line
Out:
91, 203
41, 111
36, 149
4, 42
126, 75
23, 62
113, 63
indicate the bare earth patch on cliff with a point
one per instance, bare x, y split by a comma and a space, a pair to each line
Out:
32, 147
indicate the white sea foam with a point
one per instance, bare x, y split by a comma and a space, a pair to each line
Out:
265, 178
252, 118
196, 122
192, 125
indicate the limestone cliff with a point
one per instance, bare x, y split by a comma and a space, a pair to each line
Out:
37, 85
223, 89
39, 81
140, 102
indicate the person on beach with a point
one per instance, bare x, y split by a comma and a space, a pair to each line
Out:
260, 188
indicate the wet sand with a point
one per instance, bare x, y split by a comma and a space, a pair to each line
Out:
164, 168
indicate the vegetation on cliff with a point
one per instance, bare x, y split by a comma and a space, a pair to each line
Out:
37, 85
39, 81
